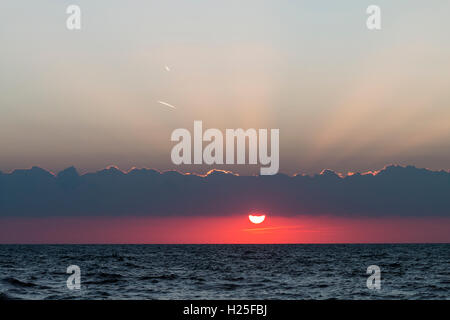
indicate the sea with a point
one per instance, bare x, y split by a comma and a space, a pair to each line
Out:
303, 271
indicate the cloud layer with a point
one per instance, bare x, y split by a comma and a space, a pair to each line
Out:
393, 191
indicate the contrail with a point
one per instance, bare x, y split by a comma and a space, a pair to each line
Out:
167, 104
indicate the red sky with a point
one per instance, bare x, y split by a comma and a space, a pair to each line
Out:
234, 229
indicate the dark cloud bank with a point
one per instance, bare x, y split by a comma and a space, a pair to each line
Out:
394, 191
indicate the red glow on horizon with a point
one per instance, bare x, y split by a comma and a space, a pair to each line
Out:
233, 230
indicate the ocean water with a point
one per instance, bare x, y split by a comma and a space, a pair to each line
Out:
408, 271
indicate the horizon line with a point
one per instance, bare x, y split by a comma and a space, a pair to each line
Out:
195, 244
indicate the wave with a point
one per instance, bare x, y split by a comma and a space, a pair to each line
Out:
4, 296
109, 275
105, 281
161, 277
18, 283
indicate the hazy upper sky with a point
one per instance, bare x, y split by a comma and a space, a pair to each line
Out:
343, 97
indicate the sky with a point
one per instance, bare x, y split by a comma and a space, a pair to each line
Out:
344, 98
224, 230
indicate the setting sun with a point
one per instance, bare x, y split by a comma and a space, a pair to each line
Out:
256, 219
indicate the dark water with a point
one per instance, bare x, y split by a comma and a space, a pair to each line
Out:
225, 271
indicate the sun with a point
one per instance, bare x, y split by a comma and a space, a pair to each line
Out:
256, 219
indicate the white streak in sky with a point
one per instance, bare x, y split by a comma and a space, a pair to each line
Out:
167, 104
